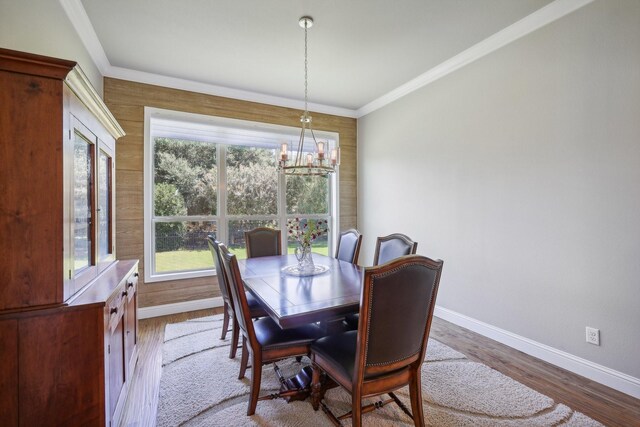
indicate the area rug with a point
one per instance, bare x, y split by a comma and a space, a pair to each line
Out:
199, 387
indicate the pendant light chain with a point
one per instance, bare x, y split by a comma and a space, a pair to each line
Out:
305, 68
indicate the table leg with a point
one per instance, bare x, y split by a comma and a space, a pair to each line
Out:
299, 387
332, 327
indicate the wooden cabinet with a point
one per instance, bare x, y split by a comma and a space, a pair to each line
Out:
9, 371
56, 174
68, 308
121, 338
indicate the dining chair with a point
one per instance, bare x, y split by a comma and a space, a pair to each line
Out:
387, 350
349, 243
263, 339
255, 307
263, 241
393, 246
387, 248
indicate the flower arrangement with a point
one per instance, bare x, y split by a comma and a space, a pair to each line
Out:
307, 232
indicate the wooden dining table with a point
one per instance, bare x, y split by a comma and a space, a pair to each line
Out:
293, 300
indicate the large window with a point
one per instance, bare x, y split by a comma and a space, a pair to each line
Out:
209, 175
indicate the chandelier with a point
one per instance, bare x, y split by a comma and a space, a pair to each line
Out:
321, 160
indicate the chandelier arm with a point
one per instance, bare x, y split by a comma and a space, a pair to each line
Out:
314, 137
298, 161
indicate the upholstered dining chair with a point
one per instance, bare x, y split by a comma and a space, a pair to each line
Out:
229, 313
387, 248
387, 350
263, 241
349, 243
393, 246
263, 339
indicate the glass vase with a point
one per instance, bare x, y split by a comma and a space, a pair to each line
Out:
305, 259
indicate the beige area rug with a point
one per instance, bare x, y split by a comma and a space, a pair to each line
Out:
199, 387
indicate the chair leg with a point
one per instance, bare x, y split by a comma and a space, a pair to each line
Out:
225, 322
356, 408
245, 358
315, 388
234, 339
415, 394
256, 377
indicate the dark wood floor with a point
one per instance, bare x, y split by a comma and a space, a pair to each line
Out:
601, 403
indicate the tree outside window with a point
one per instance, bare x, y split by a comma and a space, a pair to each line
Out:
201, 187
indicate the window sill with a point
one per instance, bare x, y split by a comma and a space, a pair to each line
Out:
182, 275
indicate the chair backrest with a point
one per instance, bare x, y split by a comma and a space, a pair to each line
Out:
217, 262
238, 295
263, 241
393, 246
349, 246
396, 308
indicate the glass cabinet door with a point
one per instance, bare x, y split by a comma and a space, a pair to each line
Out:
91, 234
105, 230
82, 202
88, 201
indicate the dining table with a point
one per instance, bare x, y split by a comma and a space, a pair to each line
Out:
292, 300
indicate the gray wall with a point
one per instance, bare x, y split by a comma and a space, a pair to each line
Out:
42, 27
522, 171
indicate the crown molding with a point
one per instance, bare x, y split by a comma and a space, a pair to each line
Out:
82, 24
541, 17
79, 84
209, 89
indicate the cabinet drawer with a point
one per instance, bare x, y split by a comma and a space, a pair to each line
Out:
115, 310
131, 286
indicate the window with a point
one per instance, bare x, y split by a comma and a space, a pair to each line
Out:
209, 175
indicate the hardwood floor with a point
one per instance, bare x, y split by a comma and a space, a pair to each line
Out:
601, 403
610, 407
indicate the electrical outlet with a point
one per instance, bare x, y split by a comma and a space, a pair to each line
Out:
593, 336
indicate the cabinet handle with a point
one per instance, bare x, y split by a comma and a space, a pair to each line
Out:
136, 274
130, 285
114, 310
125, 293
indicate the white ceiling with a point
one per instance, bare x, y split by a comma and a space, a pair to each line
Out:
359, 50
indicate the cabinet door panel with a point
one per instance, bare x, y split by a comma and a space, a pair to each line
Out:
61, 368
131, 332
31, 182
116, 365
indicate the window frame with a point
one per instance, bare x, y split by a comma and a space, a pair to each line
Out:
221, 218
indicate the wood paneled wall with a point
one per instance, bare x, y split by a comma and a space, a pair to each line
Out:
127, 100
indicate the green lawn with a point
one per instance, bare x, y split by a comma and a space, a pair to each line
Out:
195, 260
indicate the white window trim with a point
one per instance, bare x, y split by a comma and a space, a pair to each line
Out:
221, 220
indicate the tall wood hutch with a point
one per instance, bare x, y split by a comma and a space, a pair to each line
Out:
68, 307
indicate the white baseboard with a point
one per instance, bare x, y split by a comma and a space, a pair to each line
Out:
179, 307
609, 377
